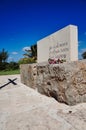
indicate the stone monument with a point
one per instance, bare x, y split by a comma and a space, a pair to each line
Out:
64, 82
62, 44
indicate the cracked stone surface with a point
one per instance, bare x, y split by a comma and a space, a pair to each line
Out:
65, 82
22, 108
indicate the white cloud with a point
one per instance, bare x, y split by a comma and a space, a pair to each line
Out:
10, 58
80, 42
83, 50
14, 53
26, 48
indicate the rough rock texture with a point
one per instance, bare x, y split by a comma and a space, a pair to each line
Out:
29, 75
65, 82
22, 108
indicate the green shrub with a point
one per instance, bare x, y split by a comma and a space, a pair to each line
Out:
3, 65
26, 61
12, 66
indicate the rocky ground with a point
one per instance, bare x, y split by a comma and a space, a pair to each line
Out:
22, 108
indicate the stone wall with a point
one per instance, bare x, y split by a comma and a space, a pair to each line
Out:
65, 82
28, 75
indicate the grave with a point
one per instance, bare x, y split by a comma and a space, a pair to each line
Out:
62, 44
66, 82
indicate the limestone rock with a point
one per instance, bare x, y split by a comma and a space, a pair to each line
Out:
28, 74
65, 82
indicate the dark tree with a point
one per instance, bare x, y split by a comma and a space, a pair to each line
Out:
84, 55
0, 57
3, 55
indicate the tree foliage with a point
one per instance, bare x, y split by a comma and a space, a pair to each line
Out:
12, 66
26, 61
84, 55
3, 56
4, 65
32, 52
9, 66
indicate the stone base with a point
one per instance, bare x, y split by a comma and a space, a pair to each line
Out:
65, 82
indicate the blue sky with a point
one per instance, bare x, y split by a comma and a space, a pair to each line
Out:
24, 22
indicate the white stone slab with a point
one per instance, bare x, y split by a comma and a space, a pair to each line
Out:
62, 44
